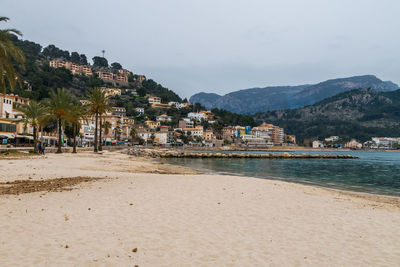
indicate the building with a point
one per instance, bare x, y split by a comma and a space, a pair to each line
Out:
177, 105
144, 134
317, 144
140, 111
353, 144
164, 118
208, 135
208, 114
154, 100
139, 78
119, 111
152, 124
111, 92
164, 138
131, 91
198, 116
154, 105
332, 139
274, 132
185, 123
385, 142
196, 131
73, 67
254, 141
105, 75
291, 139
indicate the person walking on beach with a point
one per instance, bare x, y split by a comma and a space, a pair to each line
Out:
43, 148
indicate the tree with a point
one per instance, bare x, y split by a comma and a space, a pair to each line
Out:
100, 62
59, 105
107, 127
83, 59
33, 115
116, 66
117, 133
76, 114
132, 134
103, 108
9, 53
141, 91
75, 58
97, 107
51, 51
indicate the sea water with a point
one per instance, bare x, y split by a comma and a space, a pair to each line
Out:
376, 172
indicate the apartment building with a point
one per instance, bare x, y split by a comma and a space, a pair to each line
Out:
196, 131
164, 118
121, 111
274, 132
198, 116
105, 75
111, 92
152, 124
208, 135
73, 67
154, 100
185, 123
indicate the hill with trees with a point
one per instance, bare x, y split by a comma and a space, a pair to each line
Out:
360, 114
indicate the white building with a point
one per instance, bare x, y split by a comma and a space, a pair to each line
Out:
332, 139
140, 111
317, 144
177, 105
164, 117
154, 100
197, 116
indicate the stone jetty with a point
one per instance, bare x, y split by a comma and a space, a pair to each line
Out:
285, 155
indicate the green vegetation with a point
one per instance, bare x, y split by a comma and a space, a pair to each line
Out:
59, 107
100, 62
360, 114
9, 53
34, 114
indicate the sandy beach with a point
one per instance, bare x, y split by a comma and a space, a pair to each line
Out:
121, 210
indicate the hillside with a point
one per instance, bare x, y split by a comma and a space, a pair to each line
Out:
254, 100
40, 78
360, 113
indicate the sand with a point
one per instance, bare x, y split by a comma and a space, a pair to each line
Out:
147, 214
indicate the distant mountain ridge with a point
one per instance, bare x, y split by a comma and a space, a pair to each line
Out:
249, 101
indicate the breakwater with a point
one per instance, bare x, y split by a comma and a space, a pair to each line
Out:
285, 155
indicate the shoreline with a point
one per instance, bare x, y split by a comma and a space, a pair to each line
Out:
361, 194
136, 211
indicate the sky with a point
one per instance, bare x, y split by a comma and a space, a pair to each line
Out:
220, 46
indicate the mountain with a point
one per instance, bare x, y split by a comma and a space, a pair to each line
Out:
254, 100
359, 113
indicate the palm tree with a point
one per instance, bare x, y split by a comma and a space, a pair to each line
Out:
104, 107
117, 132
9, 53
60, 106
33, 114
107, 127
76, 114
132, 135
98, 106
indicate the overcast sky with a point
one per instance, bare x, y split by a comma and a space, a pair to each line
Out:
222, 45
